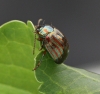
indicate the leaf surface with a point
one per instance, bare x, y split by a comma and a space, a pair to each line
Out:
16, 59
63, 79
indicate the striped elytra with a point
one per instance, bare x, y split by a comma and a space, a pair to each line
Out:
53, 41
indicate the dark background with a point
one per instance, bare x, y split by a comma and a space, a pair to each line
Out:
79, 20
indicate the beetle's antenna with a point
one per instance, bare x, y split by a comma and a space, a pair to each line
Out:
43, 22
34, 43
52, 25
39, 22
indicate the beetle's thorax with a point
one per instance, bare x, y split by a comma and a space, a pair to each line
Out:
43, 31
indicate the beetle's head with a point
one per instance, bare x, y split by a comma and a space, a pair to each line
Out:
43, 30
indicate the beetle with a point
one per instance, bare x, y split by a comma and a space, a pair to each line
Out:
53, 41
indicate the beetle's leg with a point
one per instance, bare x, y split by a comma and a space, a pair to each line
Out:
40, 61
41, 46
40, 39
34, 43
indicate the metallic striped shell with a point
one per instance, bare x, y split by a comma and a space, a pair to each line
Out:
55, 43
44, 31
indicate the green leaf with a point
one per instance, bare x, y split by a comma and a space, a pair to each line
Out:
16, 59
62, 79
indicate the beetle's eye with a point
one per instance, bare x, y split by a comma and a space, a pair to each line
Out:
38, 29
